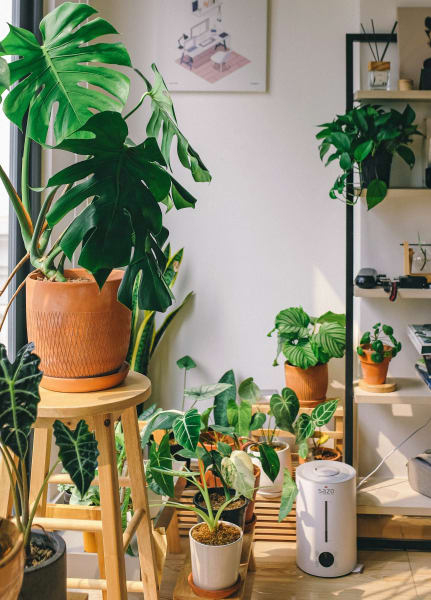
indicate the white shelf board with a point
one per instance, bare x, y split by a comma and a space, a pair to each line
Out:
403, 293
411, 390
402, 193
391, 497
393, 95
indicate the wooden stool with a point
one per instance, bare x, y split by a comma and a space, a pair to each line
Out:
101, 410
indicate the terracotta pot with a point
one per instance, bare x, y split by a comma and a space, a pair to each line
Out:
250, 508
335, 455
209, 441
79, 332
12, 563
310, 385
374, 373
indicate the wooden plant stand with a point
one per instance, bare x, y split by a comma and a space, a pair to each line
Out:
183, 590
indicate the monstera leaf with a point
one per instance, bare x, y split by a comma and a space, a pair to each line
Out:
127, 183
285, 408
56, 72
19, 397
78, 452
187, 428
163, 118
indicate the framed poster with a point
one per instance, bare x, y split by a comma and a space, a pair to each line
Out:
414, 41
212, 45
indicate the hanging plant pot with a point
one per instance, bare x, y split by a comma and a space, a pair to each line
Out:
234, 513
377, 166
310, 385
215, 567
374, 373
80, 333
46, 579
11, 560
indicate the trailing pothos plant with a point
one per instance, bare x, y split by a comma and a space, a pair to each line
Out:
362, 138
19, 399
122, 184
308, 341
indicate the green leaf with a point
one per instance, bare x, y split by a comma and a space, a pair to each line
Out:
221, 400
332, 338
289, 492
409, 115
293, 321
19, 397
360, 351
172, 267
205, 418
224, 449
376, 192
269, 461
366, 338
304, 427
140, 351
206, 392
324, 412
78, 452
363, 150
148, 412
186, 362
331, 317
388, 330
340, 140
163, 119
303, 449
257, 421
345, 161
55, 72
232, 412
244, 418
160, 420
407, 155
300, 355
249, 391
4, 75
377, 357
187, 428
160, 458
237, 471
285, 408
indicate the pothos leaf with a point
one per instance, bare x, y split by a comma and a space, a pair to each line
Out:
19, 397
78, 452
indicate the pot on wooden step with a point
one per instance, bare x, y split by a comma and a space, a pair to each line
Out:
47, 579
310, 385
232, 515
374, 373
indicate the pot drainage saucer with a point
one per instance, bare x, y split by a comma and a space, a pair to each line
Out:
85, 384
214, 594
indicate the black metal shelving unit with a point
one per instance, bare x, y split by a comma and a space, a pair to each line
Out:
364, 543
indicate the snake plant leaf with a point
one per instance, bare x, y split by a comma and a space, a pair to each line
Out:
289, 491
285, 408
140, 355
19, 397
187, 428
206, 392
163, 119
161, 459
54, 73
324, 412
249, 391
269, 460
332, 338
186, 362
78, 452
301, 354
172, 267
222, 399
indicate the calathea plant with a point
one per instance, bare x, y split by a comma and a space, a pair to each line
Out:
124, 182
19, 398
364, 140
307, 341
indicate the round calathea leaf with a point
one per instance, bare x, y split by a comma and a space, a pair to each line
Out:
53, 73
324, 412
19, 397
78, 452
332, 339
285, 408
300, 354
293, 320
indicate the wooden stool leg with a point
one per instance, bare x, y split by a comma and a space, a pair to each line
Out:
40, 466
147, 555
110, 505
173, 535
101, 561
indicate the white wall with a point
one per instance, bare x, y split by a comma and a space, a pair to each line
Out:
264, 235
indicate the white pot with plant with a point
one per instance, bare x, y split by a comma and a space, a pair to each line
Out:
308, 344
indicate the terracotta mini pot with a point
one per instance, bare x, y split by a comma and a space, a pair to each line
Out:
80, 333
310, 385
374, 373
12, 562
335, 455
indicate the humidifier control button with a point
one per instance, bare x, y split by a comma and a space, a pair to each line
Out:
326, 559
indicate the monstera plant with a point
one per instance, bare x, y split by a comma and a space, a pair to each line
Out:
19, 398
67, 81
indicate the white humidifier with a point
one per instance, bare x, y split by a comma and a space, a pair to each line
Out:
326, 518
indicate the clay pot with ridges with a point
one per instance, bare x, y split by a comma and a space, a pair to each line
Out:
310, 385
374, 373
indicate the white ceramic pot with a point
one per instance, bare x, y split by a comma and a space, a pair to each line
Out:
215, 567
267, 487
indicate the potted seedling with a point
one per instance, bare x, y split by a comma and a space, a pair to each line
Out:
80, 329
11, 560
45, 572
366, 138
308, 344
376, 349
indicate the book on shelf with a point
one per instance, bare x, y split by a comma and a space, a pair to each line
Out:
420, 337
422, 370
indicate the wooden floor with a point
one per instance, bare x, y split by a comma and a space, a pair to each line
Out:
388, 575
